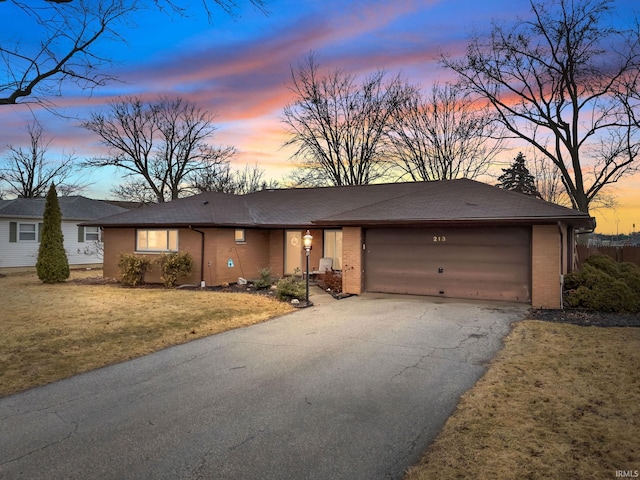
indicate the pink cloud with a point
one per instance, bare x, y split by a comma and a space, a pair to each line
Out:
243, 78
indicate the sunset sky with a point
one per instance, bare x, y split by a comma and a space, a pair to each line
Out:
239, 68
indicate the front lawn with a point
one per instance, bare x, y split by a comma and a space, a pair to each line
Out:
559, 401
49, 332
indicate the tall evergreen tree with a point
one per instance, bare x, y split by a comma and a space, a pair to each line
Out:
518, 178
52, 265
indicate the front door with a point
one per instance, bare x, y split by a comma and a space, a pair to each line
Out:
293, 252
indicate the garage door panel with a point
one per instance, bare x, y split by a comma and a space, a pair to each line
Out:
459, 263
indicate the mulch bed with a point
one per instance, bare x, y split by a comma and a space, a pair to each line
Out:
231, 288
587, 318
249, 288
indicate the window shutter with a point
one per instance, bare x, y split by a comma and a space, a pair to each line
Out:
13, 232
80, 234
40, 227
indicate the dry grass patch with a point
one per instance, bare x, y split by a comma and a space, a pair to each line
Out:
49, 332
560, 401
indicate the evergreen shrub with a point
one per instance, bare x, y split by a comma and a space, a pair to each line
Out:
604, 285
265, 279
291, 287
52, 265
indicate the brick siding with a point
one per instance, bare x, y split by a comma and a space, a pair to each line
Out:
545, 268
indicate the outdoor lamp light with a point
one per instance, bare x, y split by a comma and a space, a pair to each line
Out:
306, 242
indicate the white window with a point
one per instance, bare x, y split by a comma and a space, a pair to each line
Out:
333, 247
91, 234
157, 241
27, 232
240, 235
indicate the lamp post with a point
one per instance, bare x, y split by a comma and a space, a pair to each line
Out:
306, 242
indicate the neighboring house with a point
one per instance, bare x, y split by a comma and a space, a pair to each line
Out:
21, 227
456, 238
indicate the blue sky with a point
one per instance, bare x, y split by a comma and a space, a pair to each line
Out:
239, 67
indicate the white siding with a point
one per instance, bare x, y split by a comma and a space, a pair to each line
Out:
25, 254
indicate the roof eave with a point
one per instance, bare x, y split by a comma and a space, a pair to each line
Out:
577, 222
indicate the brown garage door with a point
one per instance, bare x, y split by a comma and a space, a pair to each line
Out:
486, 263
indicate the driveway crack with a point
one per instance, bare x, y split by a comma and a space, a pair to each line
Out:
73, 431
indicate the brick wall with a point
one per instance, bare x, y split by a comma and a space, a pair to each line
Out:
276, 253
248, 258
116, 242
545, 268
220, 246
352, 260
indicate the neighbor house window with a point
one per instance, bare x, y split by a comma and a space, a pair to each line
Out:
27, 232
157, 240
88, 234
240, 238
92, 234
333, 247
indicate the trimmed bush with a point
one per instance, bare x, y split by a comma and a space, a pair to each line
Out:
604, 263
133, 269
52, 265
291, 287
630, 274
604, 285
174, 265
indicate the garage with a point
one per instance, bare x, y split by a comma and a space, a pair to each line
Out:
491, 263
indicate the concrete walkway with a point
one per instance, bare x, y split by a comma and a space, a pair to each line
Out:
348, 389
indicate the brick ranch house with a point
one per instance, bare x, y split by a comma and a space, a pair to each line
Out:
456, 238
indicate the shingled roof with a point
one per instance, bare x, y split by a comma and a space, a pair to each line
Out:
72, 208
448, 201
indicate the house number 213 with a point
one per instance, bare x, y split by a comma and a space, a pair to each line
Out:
439, 239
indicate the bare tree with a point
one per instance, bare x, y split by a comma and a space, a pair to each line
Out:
59, 46
228, 6
548, 181
337, 126
222, 178
251, 179
30, 171
561, 82
60, 40
445, 135
159, 145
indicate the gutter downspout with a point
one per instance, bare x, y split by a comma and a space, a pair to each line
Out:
562, 265
202, 283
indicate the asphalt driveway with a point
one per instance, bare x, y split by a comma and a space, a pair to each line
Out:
349, 389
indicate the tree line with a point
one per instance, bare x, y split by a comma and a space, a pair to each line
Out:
564, 82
